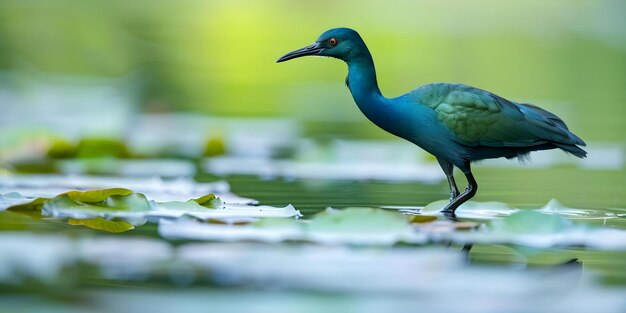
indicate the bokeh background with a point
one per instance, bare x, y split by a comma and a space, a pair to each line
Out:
133, 79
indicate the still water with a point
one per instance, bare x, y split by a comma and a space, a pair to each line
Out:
140, 271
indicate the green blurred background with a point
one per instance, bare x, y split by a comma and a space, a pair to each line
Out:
103, 63
218, 56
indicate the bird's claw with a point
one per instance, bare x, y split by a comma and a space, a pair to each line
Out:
449, 214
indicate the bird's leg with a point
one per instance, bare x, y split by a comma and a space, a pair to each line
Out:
448, 170
469, 192
454, 191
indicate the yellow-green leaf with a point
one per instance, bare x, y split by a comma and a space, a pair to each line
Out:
32, 209
417, 219
91, 196
209, 201
100, 223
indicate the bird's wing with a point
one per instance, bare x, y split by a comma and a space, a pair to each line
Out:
478, 117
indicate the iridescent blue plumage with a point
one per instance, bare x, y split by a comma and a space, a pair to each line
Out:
456, 123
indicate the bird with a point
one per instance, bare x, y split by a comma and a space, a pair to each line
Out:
456, 123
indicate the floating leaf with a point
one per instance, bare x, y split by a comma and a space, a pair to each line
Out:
115, 198
201, 204
229, 213
155, 188
279, 223
100, 223
356, 226
32, 209
555, 207
132, 202
209, 201
435, 206
15, 221
420, 219
215, 146
472, 209
263, 231
190, 205
132, 207
124, 204
531, 229
528, 222
91, 196
367, 220
101, 147
12, 199
64, 203
445, 226
61, 149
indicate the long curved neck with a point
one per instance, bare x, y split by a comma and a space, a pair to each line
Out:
362, 80
364, 87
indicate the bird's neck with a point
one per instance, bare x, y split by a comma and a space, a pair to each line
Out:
364, 88
362, 80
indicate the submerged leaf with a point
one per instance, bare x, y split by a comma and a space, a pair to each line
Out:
100, 223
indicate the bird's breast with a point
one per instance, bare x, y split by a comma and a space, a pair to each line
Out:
414, 122
392, 115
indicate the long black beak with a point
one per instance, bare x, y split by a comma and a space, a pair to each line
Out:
308, 50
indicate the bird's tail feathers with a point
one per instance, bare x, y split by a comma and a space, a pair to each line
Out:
573, 149
554, 128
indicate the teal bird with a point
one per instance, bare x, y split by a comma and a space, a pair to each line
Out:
456, 123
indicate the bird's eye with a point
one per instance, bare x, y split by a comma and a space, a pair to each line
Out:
332, 41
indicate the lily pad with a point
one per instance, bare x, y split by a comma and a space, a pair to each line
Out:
472, 209
121, 204
534, 229
65, 205
354, 226
31, 208
92, 196
155, 188
420, 219
209, 201
107, 203
12, 199
555, 207
530, 222
102, 224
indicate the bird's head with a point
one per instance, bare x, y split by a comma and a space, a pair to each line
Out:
341, 43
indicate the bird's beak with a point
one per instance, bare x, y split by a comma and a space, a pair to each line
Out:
308, 50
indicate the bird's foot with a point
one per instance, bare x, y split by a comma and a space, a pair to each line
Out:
449, 214
450, 208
